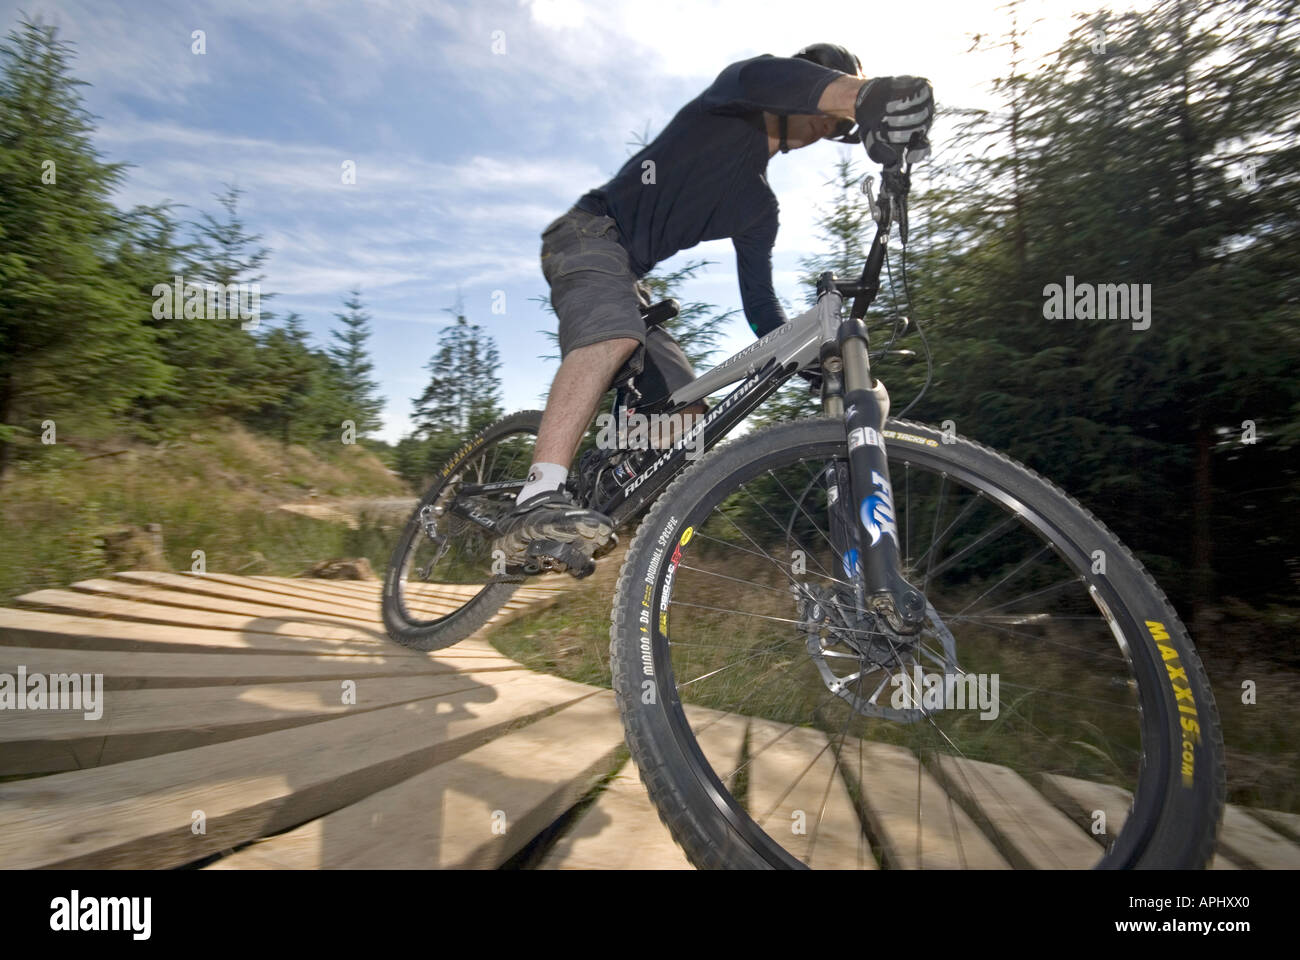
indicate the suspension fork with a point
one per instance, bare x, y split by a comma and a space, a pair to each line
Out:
865, 528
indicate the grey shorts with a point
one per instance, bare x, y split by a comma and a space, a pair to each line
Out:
597, 297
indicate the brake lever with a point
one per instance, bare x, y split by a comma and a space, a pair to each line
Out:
877, 211
895, 183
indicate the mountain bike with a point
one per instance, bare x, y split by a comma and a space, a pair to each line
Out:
855, 640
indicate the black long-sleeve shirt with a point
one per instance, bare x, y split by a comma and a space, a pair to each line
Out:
704, 177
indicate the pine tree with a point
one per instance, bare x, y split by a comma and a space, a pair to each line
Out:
349, 353
73, 347
149, 252
306, 400
463, 394
220, 369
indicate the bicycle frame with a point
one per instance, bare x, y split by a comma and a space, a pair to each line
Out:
762, 367
839, 344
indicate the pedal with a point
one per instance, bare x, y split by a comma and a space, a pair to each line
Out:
606, 547
548, 553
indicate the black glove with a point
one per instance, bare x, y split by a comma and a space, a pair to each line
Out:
892, 110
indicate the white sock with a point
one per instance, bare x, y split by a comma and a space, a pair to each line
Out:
543, 477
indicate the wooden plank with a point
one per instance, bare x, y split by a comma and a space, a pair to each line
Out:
475, 811
216, 586
1029, 830
620, 831
370, 587
721, 737
159, 605
440, 599
37, 628
894, 784
511, 614
139, 814
363, 591
268, 620
1251, 844
623, 829
136, 670
317, 590
365, 597
287, 593
1287, 824
797, 796
146, 723
182, 598
1082, 799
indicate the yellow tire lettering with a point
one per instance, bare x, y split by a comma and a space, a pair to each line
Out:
1181, 685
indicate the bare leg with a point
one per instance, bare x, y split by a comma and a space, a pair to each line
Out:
581, 381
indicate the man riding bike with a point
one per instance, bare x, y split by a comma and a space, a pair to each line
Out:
702, 178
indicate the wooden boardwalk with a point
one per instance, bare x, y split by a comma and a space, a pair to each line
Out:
267, 722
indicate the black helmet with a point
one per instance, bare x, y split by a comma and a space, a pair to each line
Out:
832, 55
835, 57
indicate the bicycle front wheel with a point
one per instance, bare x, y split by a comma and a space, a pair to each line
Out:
1051, 713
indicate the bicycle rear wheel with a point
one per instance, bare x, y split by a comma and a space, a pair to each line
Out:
439, 586
1052, 713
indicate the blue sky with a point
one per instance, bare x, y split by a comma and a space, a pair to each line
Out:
463, 154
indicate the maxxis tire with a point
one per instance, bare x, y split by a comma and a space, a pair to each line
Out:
1183, 792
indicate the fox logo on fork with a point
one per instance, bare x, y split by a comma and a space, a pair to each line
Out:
878, 511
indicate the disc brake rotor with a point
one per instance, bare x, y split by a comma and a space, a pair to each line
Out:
862, 661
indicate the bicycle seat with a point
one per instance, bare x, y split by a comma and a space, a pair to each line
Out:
660, 312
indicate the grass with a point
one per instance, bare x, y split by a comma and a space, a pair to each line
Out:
215, 490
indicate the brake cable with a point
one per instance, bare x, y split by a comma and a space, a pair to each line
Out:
907, 300
925, 344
